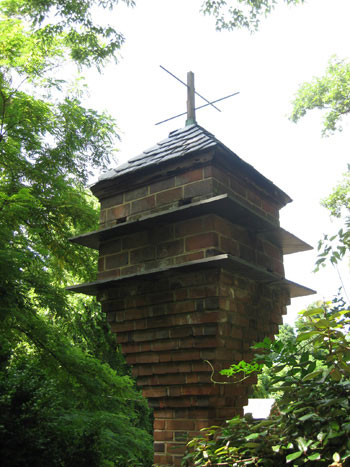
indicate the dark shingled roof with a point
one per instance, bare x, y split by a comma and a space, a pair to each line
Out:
188, 140
180, 142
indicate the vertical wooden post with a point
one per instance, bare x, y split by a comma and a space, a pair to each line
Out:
191, 112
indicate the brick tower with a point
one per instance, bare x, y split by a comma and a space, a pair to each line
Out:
190, 272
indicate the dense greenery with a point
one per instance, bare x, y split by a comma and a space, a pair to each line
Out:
65, 395
311, 423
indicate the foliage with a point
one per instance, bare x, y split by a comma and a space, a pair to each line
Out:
232, 14
329, 92
65, 395
265, 388
67, 26
311, 424
334, 248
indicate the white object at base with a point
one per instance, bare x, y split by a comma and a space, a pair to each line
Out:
259, 408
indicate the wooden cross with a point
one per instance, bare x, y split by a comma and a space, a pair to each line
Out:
191, 108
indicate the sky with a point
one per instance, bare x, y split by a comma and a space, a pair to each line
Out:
293, 45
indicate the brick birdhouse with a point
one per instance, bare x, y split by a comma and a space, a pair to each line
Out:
190, 275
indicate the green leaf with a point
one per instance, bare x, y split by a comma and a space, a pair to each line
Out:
314, 457
294, 455
252, 436
312, 375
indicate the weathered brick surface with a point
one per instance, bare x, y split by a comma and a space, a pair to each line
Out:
186, 186
168, 341
171, 325
184, 241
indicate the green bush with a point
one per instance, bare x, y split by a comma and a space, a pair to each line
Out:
311, 422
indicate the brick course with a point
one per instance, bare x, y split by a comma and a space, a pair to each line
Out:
169, 327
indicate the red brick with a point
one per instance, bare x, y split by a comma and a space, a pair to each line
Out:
131, 348
140, 192
140, 324
202, 291
122, 327
229, 246
146, 347
169, 196
246, 253
205, 342
101, 264
173, 448
108, 248
130, 270
159, 447
181, 425
143, 204
136, 240
216, 173
162, 233
113, 274
103, 216
254, 198
181, 331
118, 260
142, 254
272, 250
188, 227
270, 208
238, 187
264, 260
184, 356
180, 294
278, 267
200, 188
163, 435
188, 177
161, 297
122, 338
162, 185
164, 345
163, 460
158, 310
182, 307
174, 379
204, 240
118, 212
172, 248
112, 201
136, 313
147, 358
158, 424
154, 392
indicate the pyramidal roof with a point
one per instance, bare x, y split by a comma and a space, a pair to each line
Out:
185, 141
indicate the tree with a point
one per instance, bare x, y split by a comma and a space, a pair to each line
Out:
65, 395
330, 92
233, 14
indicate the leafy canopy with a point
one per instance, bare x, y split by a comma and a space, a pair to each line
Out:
64, 389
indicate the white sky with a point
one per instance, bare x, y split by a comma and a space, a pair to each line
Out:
293, 45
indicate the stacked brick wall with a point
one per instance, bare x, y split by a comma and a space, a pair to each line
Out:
169, 326
185, 187
181, 242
